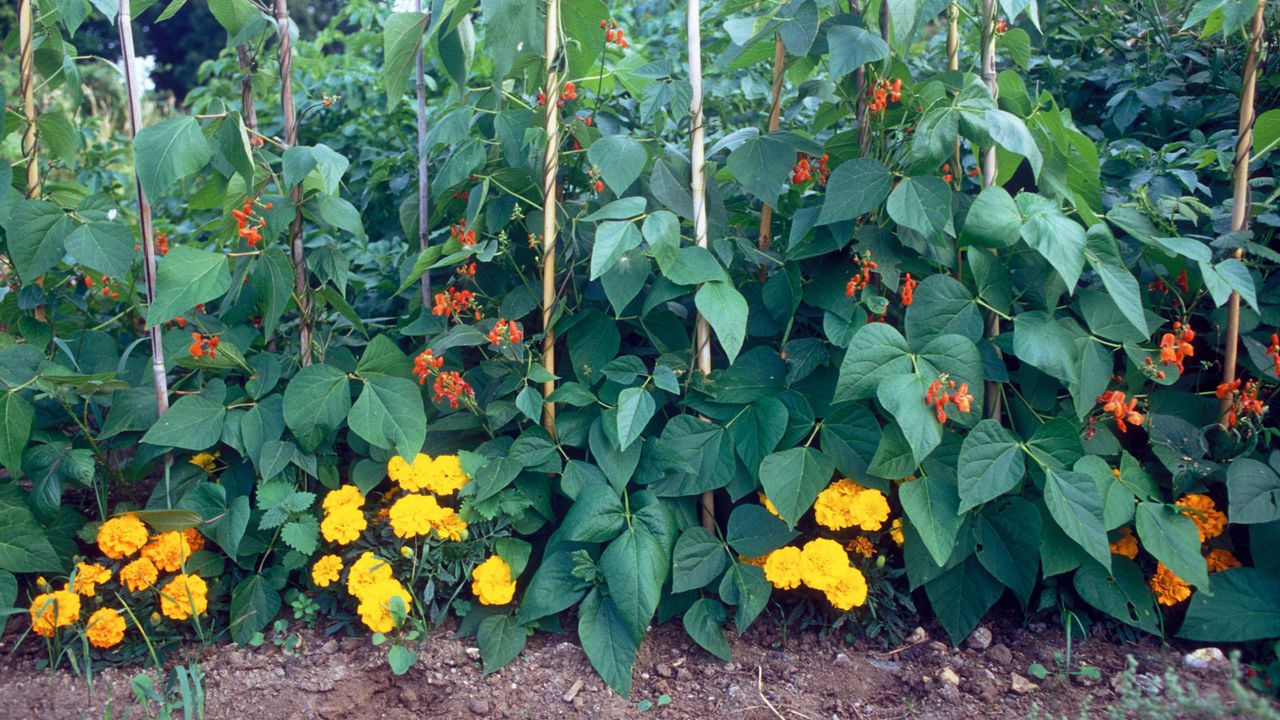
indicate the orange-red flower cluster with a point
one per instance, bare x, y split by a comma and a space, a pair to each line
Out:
454, 302
460, 233
947, 177
1273, 351
204, 345
942, 391
452, 388
569, 92
1246, 400
426, 365
908, 289
162, 244
250, 227
1125, 413
883, 93
468, 270
802, 170
107, 290
505, 331
862, 278
613, 34
1002, 26
1174, 349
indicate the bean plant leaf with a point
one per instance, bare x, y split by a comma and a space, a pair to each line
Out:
401, 34
1076, 506
1173, 539
620, 159
186, 277
792, 480
855, 188
168, 152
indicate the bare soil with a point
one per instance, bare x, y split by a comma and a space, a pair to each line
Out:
803, 676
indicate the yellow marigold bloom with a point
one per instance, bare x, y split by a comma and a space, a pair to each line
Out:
782, 568
184, 596
862, 545
366, 572
1201, 509
1169, 588
492, 583
848, 590
1126, 545
205, 461
326, 570
757, 561
768, 505
847, 504
52, 610
895, 532
411, 477
343, 525
399, 470
822, 561
89, 577
139, 574
347, 496
414, 515
1219, 560
446, 475
375, 605
105, 628
122, 536
195, 540
450, 526
168, 551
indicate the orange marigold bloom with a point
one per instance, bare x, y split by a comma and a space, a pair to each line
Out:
1126, 545
1221, 559
1200, 508
1169, 589
139, 575
862, 546
122, 536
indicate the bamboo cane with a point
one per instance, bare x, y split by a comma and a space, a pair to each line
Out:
424, 179
247, 108
158, 375
697, 184
1240, 199
775, 114
26, 81
550, 170
301, 287
994, 403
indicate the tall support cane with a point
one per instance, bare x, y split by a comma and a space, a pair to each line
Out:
301, 288
698, 186
550, 185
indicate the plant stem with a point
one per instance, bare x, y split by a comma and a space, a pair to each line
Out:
860, 103
1240, 200
300, 286
775, 113
424, 184
697, 184
550, 185
158, 379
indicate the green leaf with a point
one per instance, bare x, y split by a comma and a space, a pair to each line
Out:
851, 48
16, 418
1121, 592
401, 658
185, 278
24, 545
753, 531
234, 146
876, 351
193, 423
635, 409
36, 233
400, 37
922, 204
903, 396
613, 240
1266, 133
103, 246
991, 464
726, 311
762, 165
302, 535
699, 559
942, 306
635, 568
500, 639
1173, 539
605, 639
849, 437
1227, 277
1057, 238
759, 429
620, 159
704, 621
961, 596
745, 586
1244, 606
1008, 534
298, 162
316, 402
254, 604
932, 506
1253, 492
792, 480
225, 520
1011, 133
855, 188
389, 415
1076, 506
627, 208
168, 152
993, 220
596, 516
1104, 257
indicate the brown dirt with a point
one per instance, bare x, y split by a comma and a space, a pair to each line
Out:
805, 677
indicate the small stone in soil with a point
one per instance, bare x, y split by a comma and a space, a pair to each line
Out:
573, 690
999, 654
980, 639
664, 670
478, 706
1205, 658
949, 677
1020, 685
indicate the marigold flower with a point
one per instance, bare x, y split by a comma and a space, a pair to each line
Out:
492, 582
375, 605
862, 546
52, 610
783, 568
194, 539
205, 461
757, 561
444, 475
895, 532
105, 628
139, 575
347, 496
1200, 508
122, 536
367, 571
768, 505
414, 515
1126, 545
184, 596
848, 589
1220, 559
343, 525
1168, 588
168, 551
450, 526
326, 570
845, 504
88, 577
822, 561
